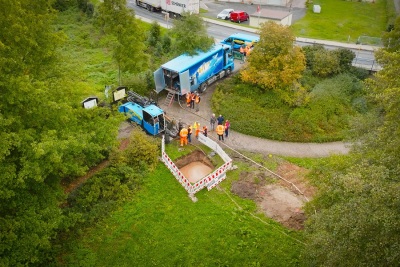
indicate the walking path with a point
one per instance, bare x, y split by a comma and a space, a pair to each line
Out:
244, 142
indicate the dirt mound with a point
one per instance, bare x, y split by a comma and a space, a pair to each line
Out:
277, 199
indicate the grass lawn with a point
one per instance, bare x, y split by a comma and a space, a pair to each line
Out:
342, 20
163, 227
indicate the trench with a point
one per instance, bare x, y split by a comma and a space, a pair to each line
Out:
195, 165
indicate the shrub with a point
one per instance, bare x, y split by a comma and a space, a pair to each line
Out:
119, 182
325, 118
359, 73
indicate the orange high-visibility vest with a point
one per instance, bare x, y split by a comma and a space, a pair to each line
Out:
183, 133
220, 129
197, 99
241, 50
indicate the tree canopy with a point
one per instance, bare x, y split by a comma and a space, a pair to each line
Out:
357, 223
45, 135
391, 40
275, 64
119, 21
190, 35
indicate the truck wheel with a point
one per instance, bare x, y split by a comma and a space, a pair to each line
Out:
203, 87
137, 2
228, 72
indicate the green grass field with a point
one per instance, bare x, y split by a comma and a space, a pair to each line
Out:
342, 20
163, 227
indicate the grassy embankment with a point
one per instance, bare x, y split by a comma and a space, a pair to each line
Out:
163, 227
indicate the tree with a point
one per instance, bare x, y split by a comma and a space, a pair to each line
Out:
275, 64
391, 40
119, 21
357, 223
154, 34
324, 63
190, 35
45, 135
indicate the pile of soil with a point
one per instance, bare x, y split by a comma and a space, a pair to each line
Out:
276, 198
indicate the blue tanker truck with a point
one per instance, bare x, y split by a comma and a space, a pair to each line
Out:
194, 73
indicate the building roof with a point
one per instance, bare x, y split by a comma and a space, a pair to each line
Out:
271, 14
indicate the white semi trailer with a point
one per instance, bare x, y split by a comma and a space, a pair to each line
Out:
174, 8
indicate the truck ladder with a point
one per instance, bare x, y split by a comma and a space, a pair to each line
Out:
170, 98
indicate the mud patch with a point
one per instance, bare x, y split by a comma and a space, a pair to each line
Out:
195, 165
194, 171
276, 198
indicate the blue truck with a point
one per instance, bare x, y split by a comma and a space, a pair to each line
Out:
145, 113
238, 39
187, 73
150, 118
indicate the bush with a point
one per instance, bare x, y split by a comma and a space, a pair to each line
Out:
118, 183
359, 73
263, 114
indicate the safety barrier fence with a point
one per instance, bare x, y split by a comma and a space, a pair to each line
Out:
211, 180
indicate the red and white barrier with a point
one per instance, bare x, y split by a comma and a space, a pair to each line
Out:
209, 181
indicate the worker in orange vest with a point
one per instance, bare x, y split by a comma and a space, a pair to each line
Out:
196, 127
197, 101
241, 49
188, 99
192, 100
205, 130
220, 132
247, 50
183, 135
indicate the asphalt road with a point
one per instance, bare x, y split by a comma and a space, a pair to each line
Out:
220, 29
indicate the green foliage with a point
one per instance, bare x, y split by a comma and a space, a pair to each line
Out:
357, 223
114, 185
359, 73
345, 57
391, 39
119, 21
45, 134
141, 153
62, 5
275, 64
163, 226
190, 35
154, 35
391, 14
358, 217
332, 102
354, 20
326, 63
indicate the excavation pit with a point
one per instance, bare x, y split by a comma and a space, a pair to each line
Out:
195, 166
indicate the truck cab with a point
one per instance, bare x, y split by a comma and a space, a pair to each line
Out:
150, 118
238, 39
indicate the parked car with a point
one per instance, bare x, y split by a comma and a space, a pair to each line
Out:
239, 16
225, 14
